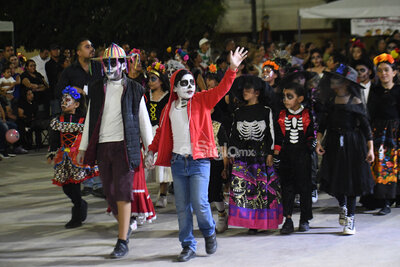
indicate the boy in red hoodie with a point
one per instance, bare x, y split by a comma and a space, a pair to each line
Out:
185, 141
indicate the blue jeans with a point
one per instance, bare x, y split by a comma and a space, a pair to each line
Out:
191, 178
94, 183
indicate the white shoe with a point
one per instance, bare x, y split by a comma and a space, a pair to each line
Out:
133, 225
349, 228
140, 220
314, 196
161, 202
222, 223
342, 215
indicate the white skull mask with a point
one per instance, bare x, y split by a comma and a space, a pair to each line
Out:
185, 88
113, 68
67, 101
172, 66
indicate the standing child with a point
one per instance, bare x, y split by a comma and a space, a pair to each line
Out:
65, 138
295, 141
255, 197
348, 148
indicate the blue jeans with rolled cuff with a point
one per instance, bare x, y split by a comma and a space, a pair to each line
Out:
191, 178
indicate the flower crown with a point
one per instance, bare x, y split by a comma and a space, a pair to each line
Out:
383, 58
182, 54
212, 68
270, 64
395, 53
134, 55
21, 56
156, 68
69, 90
357, 43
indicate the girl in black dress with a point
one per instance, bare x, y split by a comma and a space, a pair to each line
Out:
385, 116
348, 149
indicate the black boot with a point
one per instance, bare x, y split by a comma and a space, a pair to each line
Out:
287, 227
76, 219
84, 208
211, 243
121, 249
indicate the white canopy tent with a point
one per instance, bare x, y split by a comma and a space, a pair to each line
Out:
350, 9
8, 26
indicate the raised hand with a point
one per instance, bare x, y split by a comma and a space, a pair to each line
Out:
237, 57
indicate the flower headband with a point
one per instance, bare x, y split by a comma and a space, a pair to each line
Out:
270, 64
156, 68
395, 53
69, 90
358, 43
182, 54
383, 58
134, 55
212, 68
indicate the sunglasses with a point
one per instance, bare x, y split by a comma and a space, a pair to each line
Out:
186, 82
111, 61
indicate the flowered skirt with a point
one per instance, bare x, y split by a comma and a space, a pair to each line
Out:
255, 196
385, 168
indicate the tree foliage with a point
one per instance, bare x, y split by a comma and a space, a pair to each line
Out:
141, 23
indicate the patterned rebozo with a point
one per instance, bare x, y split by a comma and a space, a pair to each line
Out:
65, 138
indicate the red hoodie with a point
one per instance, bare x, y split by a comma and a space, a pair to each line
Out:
199, 113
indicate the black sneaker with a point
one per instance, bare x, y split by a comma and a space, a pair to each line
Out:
304, 226
385, 210
211, 243
121, 249
98, 192
86, 191
186, 254
252, 232
287, 227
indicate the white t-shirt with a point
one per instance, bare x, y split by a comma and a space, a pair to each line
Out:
8, 80
180, 130
112, 127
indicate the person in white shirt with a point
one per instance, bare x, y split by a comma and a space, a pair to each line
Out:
366, 73
41, 61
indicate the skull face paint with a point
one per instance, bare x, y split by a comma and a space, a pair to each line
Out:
268, 74
186, 87
113, 68
68, 104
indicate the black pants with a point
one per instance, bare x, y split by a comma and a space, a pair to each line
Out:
349, 202
73, 191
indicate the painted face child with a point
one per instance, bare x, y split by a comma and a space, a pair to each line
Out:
293, 96
70, 100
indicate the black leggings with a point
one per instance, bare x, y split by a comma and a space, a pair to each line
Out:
73, 191
349, 202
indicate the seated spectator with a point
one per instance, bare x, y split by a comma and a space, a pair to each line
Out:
335, 60
7, 82
27, 123
34, 81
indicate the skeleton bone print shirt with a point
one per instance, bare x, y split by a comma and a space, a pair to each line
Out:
295, 129
155, 107
252, 131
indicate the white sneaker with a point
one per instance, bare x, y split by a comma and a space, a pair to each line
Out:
161, 202
314, 196
140, 220
222, 223
342, 215
349, 228
133, 225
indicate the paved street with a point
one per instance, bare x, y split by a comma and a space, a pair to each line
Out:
33, 214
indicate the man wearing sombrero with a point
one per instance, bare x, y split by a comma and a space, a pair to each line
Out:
116, 116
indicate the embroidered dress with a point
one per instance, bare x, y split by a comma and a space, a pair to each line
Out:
65, 138
163, 174
255, 196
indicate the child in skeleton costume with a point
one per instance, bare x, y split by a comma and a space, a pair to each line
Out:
185, 141
255, 197
294, 144
347, 148
116, 116
64, 138
157, 98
